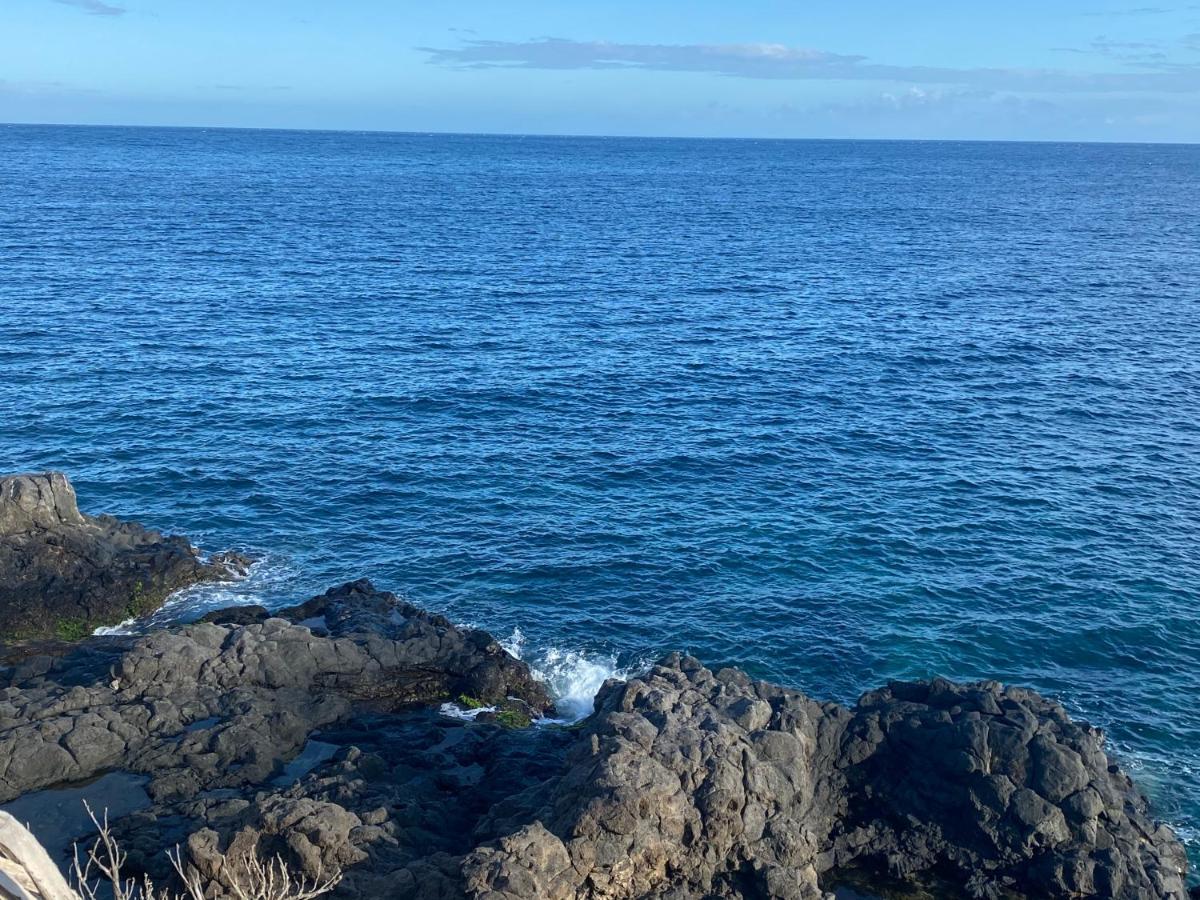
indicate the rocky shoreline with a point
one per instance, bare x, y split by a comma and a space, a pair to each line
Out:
64, 573
314, 732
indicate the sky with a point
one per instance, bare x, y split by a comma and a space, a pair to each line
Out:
933, 69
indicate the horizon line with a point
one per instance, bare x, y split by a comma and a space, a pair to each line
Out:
599, 136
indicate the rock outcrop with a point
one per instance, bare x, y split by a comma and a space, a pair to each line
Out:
690, 784
208, 706
311, 733
63, 573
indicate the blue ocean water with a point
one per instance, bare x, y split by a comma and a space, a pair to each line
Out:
838, 412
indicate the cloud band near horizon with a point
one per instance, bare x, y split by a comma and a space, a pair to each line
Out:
778, 61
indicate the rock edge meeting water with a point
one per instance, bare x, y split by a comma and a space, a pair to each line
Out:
837, 412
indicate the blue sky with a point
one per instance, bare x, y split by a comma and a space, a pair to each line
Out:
1054, 69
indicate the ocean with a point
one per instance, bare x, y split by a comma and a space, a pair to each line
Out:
836, 412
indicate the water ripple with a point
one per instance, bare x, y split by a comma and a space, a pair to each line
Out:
837, 412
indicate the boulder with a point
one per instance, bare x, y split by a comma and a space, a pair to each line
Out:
1000, 787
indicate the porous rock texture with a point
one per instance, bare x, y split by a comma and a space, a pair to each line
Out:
63, 573
208, 706
686, 784
694, 784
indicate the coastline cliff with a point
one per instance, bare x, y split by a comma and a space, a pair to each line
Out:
64, 573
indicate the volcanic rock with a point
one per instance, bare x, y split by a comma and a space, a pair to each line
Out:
207, 706
313, 734
692, 784
63, 573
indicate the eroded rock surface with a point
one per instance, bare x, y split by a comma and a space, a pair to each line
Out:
257, 691
686, 784
63, 573
694, 784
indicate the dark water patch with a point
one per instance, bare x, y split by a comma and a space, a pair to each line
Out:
202, 724
58, 818
312, 755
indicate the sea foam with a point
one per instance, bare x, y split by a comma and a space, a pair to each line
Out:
573, 677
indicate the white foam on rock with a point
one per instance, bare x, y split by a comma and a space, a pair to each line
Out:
126, 627
514, 644
269, 578
454, 711
573, 677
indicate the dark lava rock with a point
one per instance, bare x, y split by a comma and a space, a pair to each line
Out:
686, 784
465, 661
63, 573
235, 615
694, 784
126, 703
1000, 787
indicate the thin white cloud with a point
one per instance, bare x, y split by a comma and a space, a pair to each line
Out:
778, 61
763, 60
1135, 11
914, 98
27, 88
1155, 55
95, 7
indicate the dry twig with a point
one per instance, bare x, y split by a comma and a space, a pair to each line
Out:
247, 877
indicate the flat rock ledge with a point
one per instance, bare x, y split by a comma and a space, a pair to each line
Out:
64, 573
685, 784
208, 706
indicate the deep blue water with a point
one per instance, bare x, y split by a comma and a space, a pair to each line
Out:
836, 411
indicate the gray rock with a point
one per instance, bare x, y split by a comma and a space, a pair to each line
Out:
63, 573
265, 687
684, 785
678, 788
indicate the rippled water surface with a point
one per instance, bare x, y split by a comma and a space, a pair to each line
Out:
836, 411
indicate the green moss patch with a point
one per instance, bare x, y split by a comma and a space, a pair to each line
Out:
511, 718
71, 630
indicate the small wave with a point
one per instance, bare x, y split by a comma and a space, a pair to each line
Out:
572, 677
271, 578
454, 711
126, 627
514, 644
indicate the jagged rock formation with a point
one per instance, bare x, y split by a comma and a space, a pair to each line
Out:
690, 784
686, 784
63, 573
